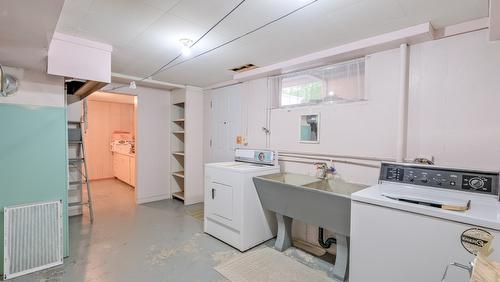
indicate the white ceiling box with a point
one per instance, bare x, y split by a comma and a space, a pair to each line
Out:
79, 58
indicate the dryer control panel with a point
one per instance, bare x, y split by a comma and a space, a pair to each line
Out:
484, 182
263, 157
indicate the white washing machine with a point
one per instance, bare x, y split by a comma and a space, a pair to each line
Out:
233, 212
403, 229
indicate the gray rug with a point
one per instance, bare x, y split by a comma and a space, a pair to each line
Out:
267, 264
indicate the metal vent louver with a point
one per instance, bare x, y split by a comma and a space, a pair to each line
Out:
33, 238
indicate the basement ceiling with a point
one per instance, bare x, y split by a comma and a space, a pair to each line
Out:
26, 28
145, 33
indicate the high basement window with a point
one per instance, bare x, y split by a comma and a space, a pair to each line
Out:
338, 83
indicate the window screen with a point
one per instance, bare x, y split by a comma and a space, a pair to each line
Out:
342, 82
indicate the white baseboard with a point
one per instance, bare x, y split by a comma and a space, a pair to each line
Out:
196, 200
154, 198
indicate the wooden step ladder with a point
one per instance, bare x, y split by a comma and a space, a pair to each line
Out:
75, 139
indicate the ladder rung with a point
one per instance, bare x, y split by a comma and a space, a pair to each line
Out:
77, 160
74, 122
75, 142
77, 182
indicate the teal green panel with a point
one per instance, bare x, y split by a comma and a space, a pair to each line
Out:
33, 158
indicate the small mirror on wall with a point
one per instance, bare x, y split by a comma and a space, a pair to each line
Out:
309, 128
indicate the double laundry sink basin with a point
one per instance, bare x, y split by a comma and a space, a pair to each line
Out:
322, 202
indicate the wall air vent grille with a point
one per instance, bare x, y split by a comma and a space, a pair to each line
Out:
33, 238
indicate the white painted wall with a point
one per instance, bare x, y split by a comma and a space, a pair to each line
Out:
453, 109
453, 112
152, 144
36, 88
193, 162
366, 128
454, 101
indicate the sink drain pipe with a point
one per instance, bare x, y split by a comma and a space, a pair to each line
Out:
325, 244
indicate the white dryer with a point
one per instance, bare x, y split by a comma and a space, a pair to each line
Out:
233, 212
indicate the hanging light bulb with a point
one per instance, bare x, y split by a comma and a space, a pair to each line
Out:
186, 46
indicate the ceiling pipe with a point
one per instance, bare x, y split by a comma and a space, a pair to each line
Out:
402, 138
149, 82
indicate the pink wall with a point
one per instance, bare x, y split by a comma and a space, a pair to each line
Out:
103, 119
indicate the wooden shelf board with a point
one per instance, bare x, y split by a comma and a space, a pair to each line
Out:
178, 153
178, 174
179, 195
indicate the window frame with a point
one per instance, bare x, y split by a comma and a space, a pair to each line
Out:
279, 86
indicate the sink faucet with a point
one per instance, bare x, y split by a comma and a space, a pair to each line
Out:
323, 169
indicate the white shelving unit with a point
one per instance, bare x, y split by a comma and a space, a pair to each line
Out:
186, 129
177, 145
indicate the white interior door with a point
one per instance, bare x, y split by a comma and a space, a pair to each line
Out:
226, 113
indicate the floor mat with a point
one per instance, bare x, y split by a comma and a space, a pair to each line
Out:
267, 264
196, 211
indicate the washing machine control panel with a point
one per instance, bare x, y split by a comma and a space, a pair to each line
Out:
440, 177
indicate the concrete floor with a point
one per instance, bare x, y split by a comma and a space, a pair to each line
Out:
151, 242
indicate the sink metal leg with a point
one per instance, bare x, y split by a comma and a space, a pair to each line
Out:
341, 266
284, 238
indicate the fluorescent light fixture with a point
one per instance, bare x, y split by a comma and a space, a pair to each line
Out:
186, 46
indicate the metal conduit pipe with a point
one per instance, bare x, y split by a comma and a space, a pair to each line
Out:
324, 159
309, 154
402, 139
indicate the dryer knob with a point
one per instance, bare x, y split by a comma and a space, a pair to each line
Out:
476, 183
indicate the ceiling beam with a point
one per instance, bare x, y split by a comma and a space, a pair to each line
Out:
411, 35
461, 28
494, 20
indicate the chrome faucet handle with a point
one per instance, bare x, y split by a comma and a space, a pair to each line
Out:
322, 168
321, 165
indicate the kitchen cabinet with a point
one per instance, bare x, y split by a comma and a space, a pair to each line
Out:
132, 171
124, 168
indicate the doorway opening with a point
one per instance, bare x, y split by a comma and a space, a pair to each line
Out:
109, 137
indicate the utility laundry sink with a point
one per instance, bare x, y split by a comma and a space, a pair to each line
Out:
321, 202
